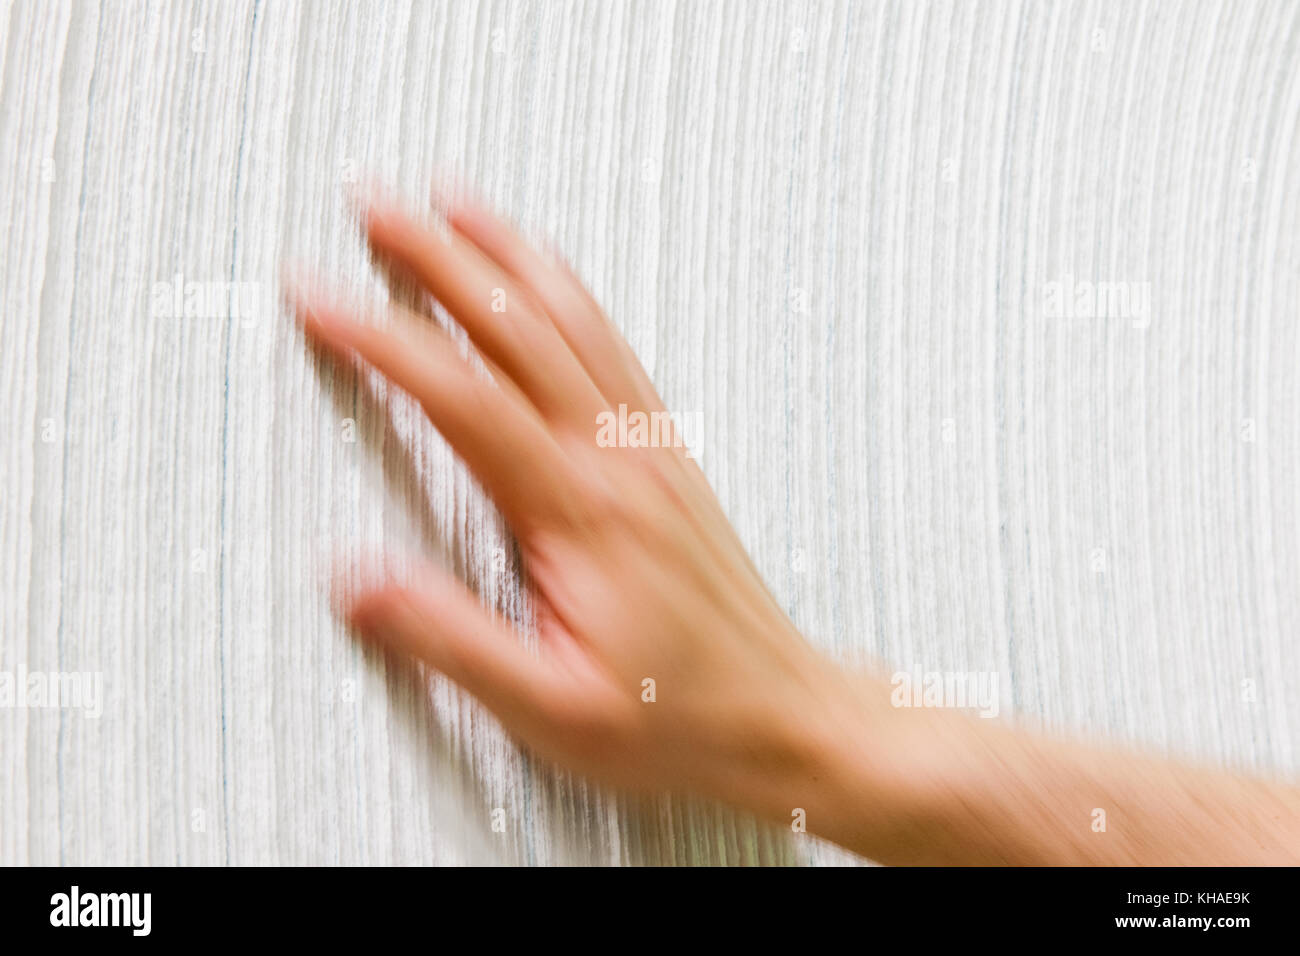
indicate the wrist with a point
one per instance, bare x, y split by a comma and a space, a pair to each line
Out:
843, 764
897, 785
889, 775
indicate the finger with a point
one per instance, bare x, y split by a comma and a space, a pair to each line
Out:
497, 433
596, 342
502, 320
609, 360
443, 624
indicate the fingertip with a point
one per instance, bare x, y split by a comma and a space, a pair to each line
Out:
449, 194
300, 289
472, 214
381, 589
363, 195
322, 316
347, 581
367, 610
398, 234
443, 195
383, 217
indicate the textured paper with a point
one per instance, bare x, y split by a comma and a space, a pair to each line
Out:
851, 239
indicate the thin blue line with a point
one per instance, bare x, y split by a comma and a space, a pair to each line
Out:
225, 455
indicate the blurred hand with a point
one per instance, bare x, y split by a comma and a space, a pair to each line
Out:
664, 663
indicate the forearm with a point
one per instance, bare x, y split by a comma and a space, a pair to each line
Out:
971, 791
662, 662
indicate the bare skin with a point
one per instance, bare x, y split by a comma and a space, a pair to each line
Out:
637, 575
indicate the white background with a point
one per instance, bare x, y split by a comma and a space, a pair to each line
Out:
827, 229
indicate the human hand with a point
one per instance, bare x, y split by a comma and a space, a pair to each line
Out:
639, 582
663, 661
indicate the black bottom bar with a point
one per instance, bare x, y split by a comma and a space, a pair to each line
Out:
602, 907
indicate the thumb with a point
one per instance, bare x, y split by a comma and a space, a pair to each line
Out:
441, 622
